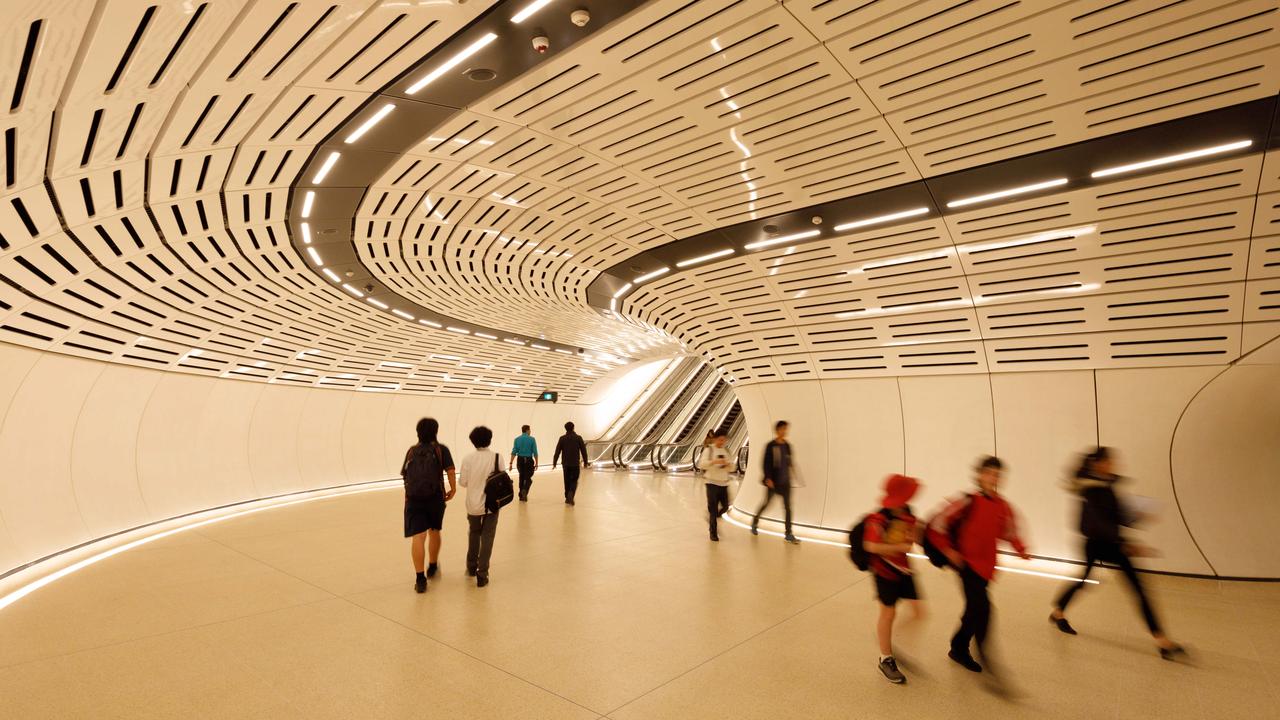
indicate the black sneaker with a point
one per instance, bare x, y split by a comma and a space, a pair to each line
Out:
965, 660
1062, 625
432, 569
715, 537
755, 530
420, 584
482, 580
889, 668
792, 539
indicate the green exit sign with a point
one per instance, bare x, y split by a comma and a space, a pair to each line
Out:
549, 396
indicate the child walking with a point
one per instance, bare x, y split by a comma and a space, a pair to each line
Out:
888, 535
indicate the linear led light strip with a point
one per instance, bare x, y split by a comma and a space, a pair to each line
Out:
1056, 182
881, 219
195, 522
529, 10
649, 276
307, 201
705, 258
1168, 159
1020, 571
367, 125
780, 240
451, 63
329, 162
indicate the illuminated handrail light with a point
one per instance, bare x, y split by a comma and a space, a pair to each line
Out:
315, 256
781, 239
529, 10
649, 276
367, 125
329, 162
1056, 182
307, 201
705, 258
1168, 159
881, 219
622, 291
451, 63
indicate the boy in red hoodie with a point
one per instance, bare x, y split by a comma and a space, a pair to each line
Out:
966, 531
888, 536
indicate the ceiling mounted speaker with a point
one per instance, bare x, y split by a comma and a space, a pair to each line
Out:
481, 74
770, 229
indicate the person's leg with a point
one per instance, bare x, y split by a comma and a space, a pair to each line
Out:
433, 545
418, 550
786, 508
571, 473
982, 611
976, 611
724, 500
1090, 558
713, 505
1148, 613
525, 467
884, 629
488, 530
474, 529
755, 521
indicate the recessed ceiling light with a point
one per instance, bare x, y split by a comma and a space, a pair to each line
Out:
783, 239
315, 256
1155, 162
622, 290
649, 276
451, 63
882, 219
367, 125
307, 201
1007, 193
329, 162
704, 258
528, 10
332, 275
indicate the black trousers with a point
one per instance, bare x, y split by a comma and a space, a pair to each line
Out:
571, 473
526, 467
480, 542
717, 503
977, 612
1112, 552
782, 491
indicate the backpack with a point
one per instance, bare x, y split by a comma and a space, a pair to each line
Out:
498, 488
857, 553
935, 554
423, 472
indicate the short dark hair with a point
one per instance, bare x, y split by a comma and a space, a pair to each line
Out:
427, 430
990, 462
719, 434
481, 436
779, 425
569, 426
524, 428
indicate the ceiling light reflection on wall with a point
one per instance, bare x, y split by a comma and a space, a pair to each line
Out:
451, 63
529, 10
705, 258
329, 162
1155, 162
1056, 182
881, 219
781, 239
649, 276
367, 125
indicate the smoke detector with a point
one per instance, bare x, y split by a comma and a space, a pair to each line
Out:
580, 17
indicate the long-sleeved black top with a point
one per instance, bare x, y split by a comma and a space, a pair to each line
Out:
777, 463
571, 446
1100, 512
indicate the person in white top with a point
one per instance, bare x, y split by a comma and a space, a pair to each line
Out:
476, 468
715, 465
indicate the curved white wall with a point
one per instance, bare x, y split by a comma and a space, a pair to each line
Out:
91, 448
1210, 433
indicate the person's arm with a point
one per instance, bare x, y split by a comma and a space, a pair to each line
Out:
535, 450
769, 469
941, 527
559, 449
582, 447
453, 483
1011, 535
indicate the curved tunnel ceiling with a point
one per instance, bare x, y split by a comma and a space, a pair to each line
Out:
150, 150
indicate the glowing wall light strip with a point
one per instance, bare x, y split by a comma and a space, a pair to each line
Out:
704, 258
1168, 159
649, 276
329, 162
401, 313
315, 256
194, 522
529, 10
451, 63
307, 201
1007, 193
367, 125
622, 291
780, 240
882, 219
377, 303
332, 275
306, 233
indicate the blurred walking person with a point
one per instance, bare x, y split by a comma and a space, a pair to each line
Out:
779, 470
714, 463
1101, 517
482, 522
425, 465
524, 455
570, 448
888, 535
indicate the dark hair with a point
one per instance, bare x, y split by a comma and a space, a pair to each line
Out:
568, 426
719, 434
481, 436
779, 425
428, 428
990, 462
1091, 458
524, 428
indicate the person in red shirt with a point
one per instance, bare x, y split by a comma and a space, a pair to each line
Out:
966, 531
888, 536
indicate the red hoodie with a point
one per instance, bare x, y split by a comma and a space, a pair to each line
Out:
990, 519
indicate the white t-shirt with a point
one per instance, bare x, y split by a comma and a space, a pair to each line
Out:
475, 469
715, 475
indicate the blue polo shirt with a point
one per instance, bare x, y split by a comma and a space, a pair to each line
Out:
525, 446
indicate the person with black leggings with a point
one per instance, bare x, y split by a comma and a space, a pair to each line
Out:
1101, 516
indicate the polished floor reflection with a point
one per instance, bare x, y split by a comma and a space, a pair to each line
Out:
618, 608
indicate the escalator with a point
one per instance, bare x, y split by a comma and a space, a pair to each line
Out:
707, 403
731, 418
678, 404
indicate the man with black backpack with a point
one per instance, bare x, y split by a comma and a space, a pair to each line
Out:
480, 474
425, 465
880, 543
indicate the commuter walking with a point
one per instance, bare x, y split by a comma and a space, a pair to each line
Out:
482, 523
707, 442
714, 463
888, 535
778, 474
425, 465
572, 447
966, 532
1101, 516
524, 455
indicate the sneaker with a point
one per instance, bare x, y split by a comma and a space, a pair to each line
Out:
792, 539
420, 585
965, 660
889, 668
1062, 625
755, 530
482, 580
715, 537
432, 569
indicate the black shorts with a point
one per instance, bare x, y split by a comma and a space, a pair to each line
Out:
422, 514
889, 592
